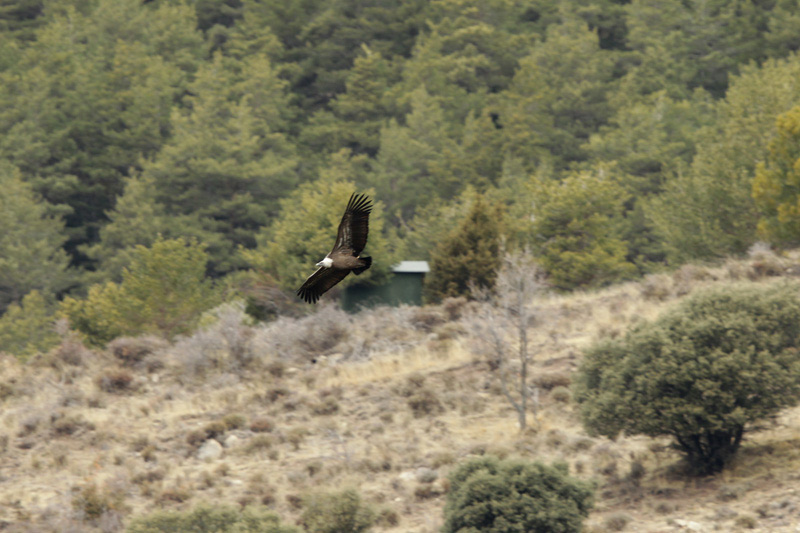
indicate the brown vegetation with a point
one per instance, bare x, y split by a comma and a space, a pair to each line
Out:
374, 407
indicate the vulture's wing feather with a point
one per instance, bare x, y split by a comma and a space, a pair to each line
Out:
319, 282
354, 226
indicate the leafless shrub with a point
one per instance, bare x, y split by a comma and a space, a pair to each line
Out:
656, 287
382, 330
199, 353
258, 443
274, 394
296, 436
93, 504
233, 325
551, 380
131, 351
29, 424
276, 368
427, 491
176, 493
765, 263
687, 276
304, 338
454, 307
387, 517
428, 317
500, 325
326, 406
225, 343
234, 421
116, 379
746, 521
69, 424
450, 330
737, 270
425, 402
616, 522
266, 300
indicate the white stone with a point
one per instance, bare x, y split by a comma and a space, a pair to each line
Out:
407, 476
688, 525
231, 441
211, 449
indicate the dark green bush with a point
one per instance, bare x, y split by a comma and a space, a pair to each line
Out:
725, 358
336, 512
490, 495
211, 519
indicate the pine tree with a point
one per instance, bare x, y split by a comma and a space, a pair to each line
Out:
31, 254
28, 327
469, 256
576, 231
708, 210
227, 163
356, 116
776, 187
164, 291
309, 219
558, 97
91, 97
405, 169
137, 219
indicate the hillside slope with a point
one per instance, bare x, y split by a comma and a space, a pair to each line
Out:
387, 401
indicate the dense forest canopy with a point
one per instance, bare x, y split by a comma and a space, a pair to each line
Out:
613, 136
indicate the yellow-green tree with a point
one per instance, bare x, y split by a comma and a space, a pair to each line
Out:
576, 231
27, 328
776, 187
306, 228
163, 292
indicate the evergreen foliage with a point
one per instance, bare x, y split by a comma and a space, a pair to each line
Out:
31, 257
227, 165
28, 328
708, 211
703, 373
494, 496
776, 187
195, 119
469, 256
91, 96
306, 228
558, 97
164, 291
210, 519
576, 231
137, 219
336, 512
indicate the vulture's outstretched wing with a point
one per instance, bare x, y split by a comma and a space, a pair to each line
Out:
354, 226
319, 282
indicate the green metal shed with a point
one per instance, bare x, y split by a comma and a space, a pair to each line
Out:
404, 287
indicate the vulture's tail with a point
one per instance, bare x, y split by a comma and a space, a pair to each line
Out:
367, 260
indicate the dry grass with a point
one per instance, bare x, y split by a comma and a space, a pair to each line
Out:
389, 404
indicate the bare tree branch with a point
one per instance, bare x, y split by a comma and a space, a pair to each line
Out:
500, 327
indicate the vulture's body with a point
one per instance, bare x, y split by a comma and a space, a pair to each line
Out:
345, 257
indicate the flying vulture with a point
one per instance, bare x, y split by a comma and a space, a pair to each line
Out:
345, 255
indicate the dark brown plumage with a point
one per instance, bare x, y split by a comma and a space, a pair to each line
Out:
346, 253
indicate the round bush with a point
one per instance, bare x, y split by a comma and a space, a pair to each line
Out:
336, 512
490, 495
724, 358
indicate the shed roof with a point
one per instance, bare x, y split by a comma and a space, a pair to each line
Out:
412, 267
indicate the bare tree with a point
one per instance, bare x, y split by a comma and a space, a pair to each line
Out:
500, 327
